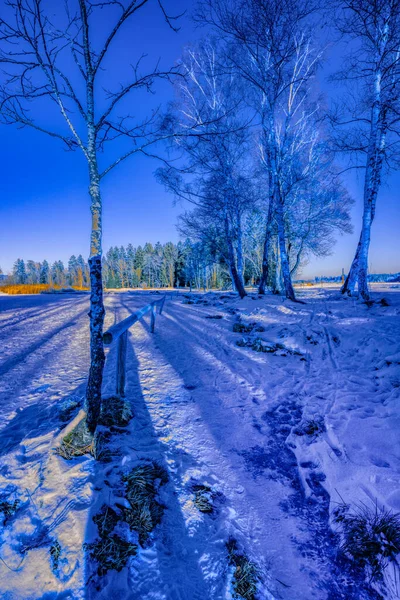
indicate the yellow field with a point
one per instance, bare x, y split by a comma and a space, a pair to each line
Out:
35, 288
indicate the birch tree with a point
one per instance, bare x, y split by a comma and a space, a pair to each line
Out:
213, 173
367, 127
268, 48
59, 61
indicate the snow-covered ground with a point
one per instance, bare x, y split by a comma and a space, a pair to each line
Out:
213, 413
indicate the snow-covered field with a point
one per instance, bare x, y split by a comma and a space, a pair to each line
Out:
281, 438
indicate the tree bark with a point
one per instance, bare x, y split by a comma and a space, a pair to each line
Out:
96, 314
238, 283
376, 153
267, 242
349, 285
287, 280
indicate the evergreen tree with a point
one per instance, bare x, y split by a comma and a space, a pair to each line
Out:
44, 272
19, 272
32, 272
83, 272
73, 271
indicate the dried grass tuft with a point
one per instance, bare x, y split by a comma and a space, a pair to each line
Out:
77, 442
106, 520
243, 328
8, 509
142, 485
371, 537
55, 552
115, 411
111, 552
246, 573
311, 428
203, 498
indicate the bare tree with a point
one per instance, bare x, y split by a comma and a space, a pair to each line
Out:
214, 171
367, 126
59, 59
268, 48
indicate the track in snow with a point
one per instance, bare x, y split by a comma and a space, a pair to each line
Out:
212, 413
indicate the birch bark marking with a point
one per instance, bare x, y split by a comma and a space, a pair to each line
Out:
96, 314
376, 25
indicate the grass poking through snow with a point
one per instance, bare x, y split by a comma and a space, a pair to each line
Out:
111, 552
245, 577
55, 552
142, 485
371, 537
77, 442
8, 509
203, 498
115, 412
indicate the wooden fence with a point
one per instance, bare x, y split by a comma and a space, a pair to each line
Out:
119, 332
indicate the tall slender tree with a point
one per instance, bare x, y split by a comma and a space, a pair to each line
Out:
215, 173
268, 47
62, 57
368, 125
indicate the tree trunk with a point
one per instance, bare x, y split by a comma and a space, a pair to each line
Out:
238, 283
239, 252
275, 280
267, 242
349, 285
376, 152
96, 314
289, 291
364, 249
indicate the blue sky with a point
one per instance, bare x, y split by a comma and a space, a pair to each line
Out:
44, 206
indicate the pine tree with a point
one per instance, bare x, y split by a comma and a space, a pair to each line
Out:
44, 272
19, 272
73, 271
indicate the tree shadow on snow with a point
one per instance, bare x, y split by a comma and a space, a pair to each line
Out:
40, 418
188, 361
177, 574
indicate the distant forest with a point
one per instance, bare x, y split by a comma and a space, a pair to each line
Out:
158, 265
184, 264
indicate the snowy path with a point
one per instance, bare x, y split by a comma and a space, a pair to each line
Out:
215, 414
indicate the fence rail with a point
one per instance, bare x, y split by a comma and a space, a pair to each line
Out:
119, 332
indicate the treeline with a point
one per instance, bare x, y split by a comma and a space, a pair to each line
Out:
31, 272
185, 264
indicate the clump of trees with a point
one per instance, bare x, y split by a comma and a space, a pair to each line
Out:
76, 274
261, 166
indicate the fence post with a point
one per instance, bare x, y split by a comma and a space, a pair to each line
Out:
121, 360
153, 318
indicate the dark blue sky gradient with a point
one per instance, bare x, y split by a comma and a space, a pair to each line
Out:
44, 205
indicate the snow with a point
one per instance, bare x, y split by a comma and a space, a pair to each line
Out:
211, 413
